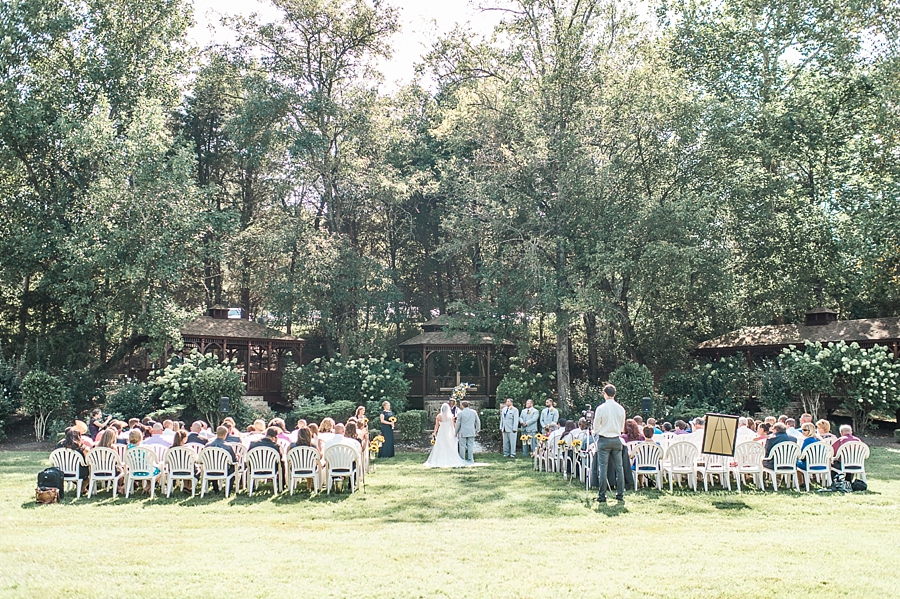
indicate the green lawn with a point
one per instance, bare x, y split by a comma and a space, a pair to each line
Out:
496, 531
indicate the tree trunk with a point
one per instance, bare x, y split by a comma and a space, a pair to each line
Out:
590, 327
562, 360
23, 309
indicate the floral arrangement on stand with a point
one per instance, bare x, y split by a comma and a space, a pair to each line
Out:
375, 445
525, 438
459, 392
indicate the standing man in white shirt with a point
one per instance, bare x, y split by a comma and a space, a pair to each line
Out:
549, 415
609, 422
509, 427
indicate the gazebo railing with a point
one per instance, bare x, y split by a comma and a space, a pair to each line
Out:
442, 385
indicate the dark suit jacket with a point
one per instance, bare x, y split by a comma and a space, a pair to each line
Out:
217, 442
195, 438
266, 442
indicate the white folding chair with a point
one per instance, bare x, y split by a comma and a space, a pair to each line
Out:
648, 462
141, 463
681, 459
851, 459
302, 463
715, 465
537, 456
70, 462
159, 450
341, 462
263, 463
784, 463
215, 464
817, 459
180, 464
748, 457
106, 467
197, 447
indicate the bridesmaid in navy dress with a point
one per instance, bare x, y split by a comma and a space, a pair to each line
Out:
387, 431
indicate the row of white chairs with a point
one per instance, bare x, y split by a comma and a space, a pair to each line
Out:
684, 459
186, 464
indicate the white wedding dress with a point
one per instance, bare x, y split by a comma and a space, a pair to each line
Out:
445, 453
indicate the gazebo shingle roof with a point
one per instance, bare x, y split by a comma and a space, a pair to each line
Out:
457, 338
866, 330
232, 328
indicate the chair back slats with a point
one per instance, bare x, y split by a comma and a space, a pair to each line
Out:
340, 458
214, 460
749, 456
784, 456
180, 461
852, 455
67, 460
104, 462
303, 460
682, 455
817, 456
262, 460
141, 459
647, 456
196, 447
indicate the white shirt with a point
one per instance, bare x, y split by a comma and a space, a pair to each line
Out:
609, 419
744, 434
169, 435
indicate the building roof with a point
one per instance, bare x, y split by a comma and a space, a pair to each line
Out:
232, 328
866, 330
460, 338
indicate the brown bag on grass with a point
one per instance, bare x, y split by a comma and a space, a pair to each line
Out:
46, 495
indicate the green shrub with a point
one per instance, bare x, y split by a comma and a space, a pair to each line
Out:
210, 385
42, 395
10, 393
490, 425
411, 424
522, 385
633, 382
339, 411
772, 391
127, 399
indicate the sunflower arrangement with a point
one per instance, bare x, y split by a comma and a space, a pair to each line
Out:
459, 392
525, 438
561, 442
576, 444
541, 437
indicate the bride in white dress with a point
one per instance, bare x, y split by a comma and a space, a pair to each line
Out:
445, 453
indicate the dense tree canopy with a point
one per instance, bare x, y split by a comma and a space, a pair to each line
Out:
597, 185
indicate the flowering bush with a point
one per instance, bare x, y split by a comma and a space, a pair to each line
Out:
806, 376
866, 378
197, 383
360, 381
521, 385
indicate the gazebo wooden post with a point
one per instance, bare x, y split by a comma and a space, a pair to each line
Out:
424, 373
488, 375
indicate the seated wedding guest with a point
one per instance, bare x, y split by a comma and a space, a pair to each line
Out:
556, 433
648, 434
783, 419
762, 431
696, 434
651, 422
744, 433
823, 428
351, 432
221, 443
752, 424
639, 421
779, 437
304, 438
74, 441
179, 439
168, 430
156, 437
135, 437
132, 422
667, 427
278, 423
804, 418
82, 429
270, 440
792, 430
681, 427
301, 424
326, 430
632, 432
147, 421
338, 438
846, 436
808, 430
108, 439
233, 436
770, 420
314, 437
259, 425
567, 429
194, 436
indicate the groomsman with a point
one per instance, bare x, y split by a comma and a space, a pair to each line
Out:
509, 426
549, 415
528, 418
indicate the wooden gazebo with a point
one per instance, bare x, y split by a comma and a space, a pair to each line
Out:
820, 325
261, 352
445, 356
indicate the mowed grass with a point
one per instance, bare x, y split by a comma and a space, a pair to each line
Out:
496, 531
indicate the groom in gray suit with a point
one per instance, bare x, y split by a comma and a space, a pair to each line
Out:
468, 424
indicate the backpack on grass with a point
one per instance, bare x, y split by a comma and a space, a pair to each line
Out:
50, 478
